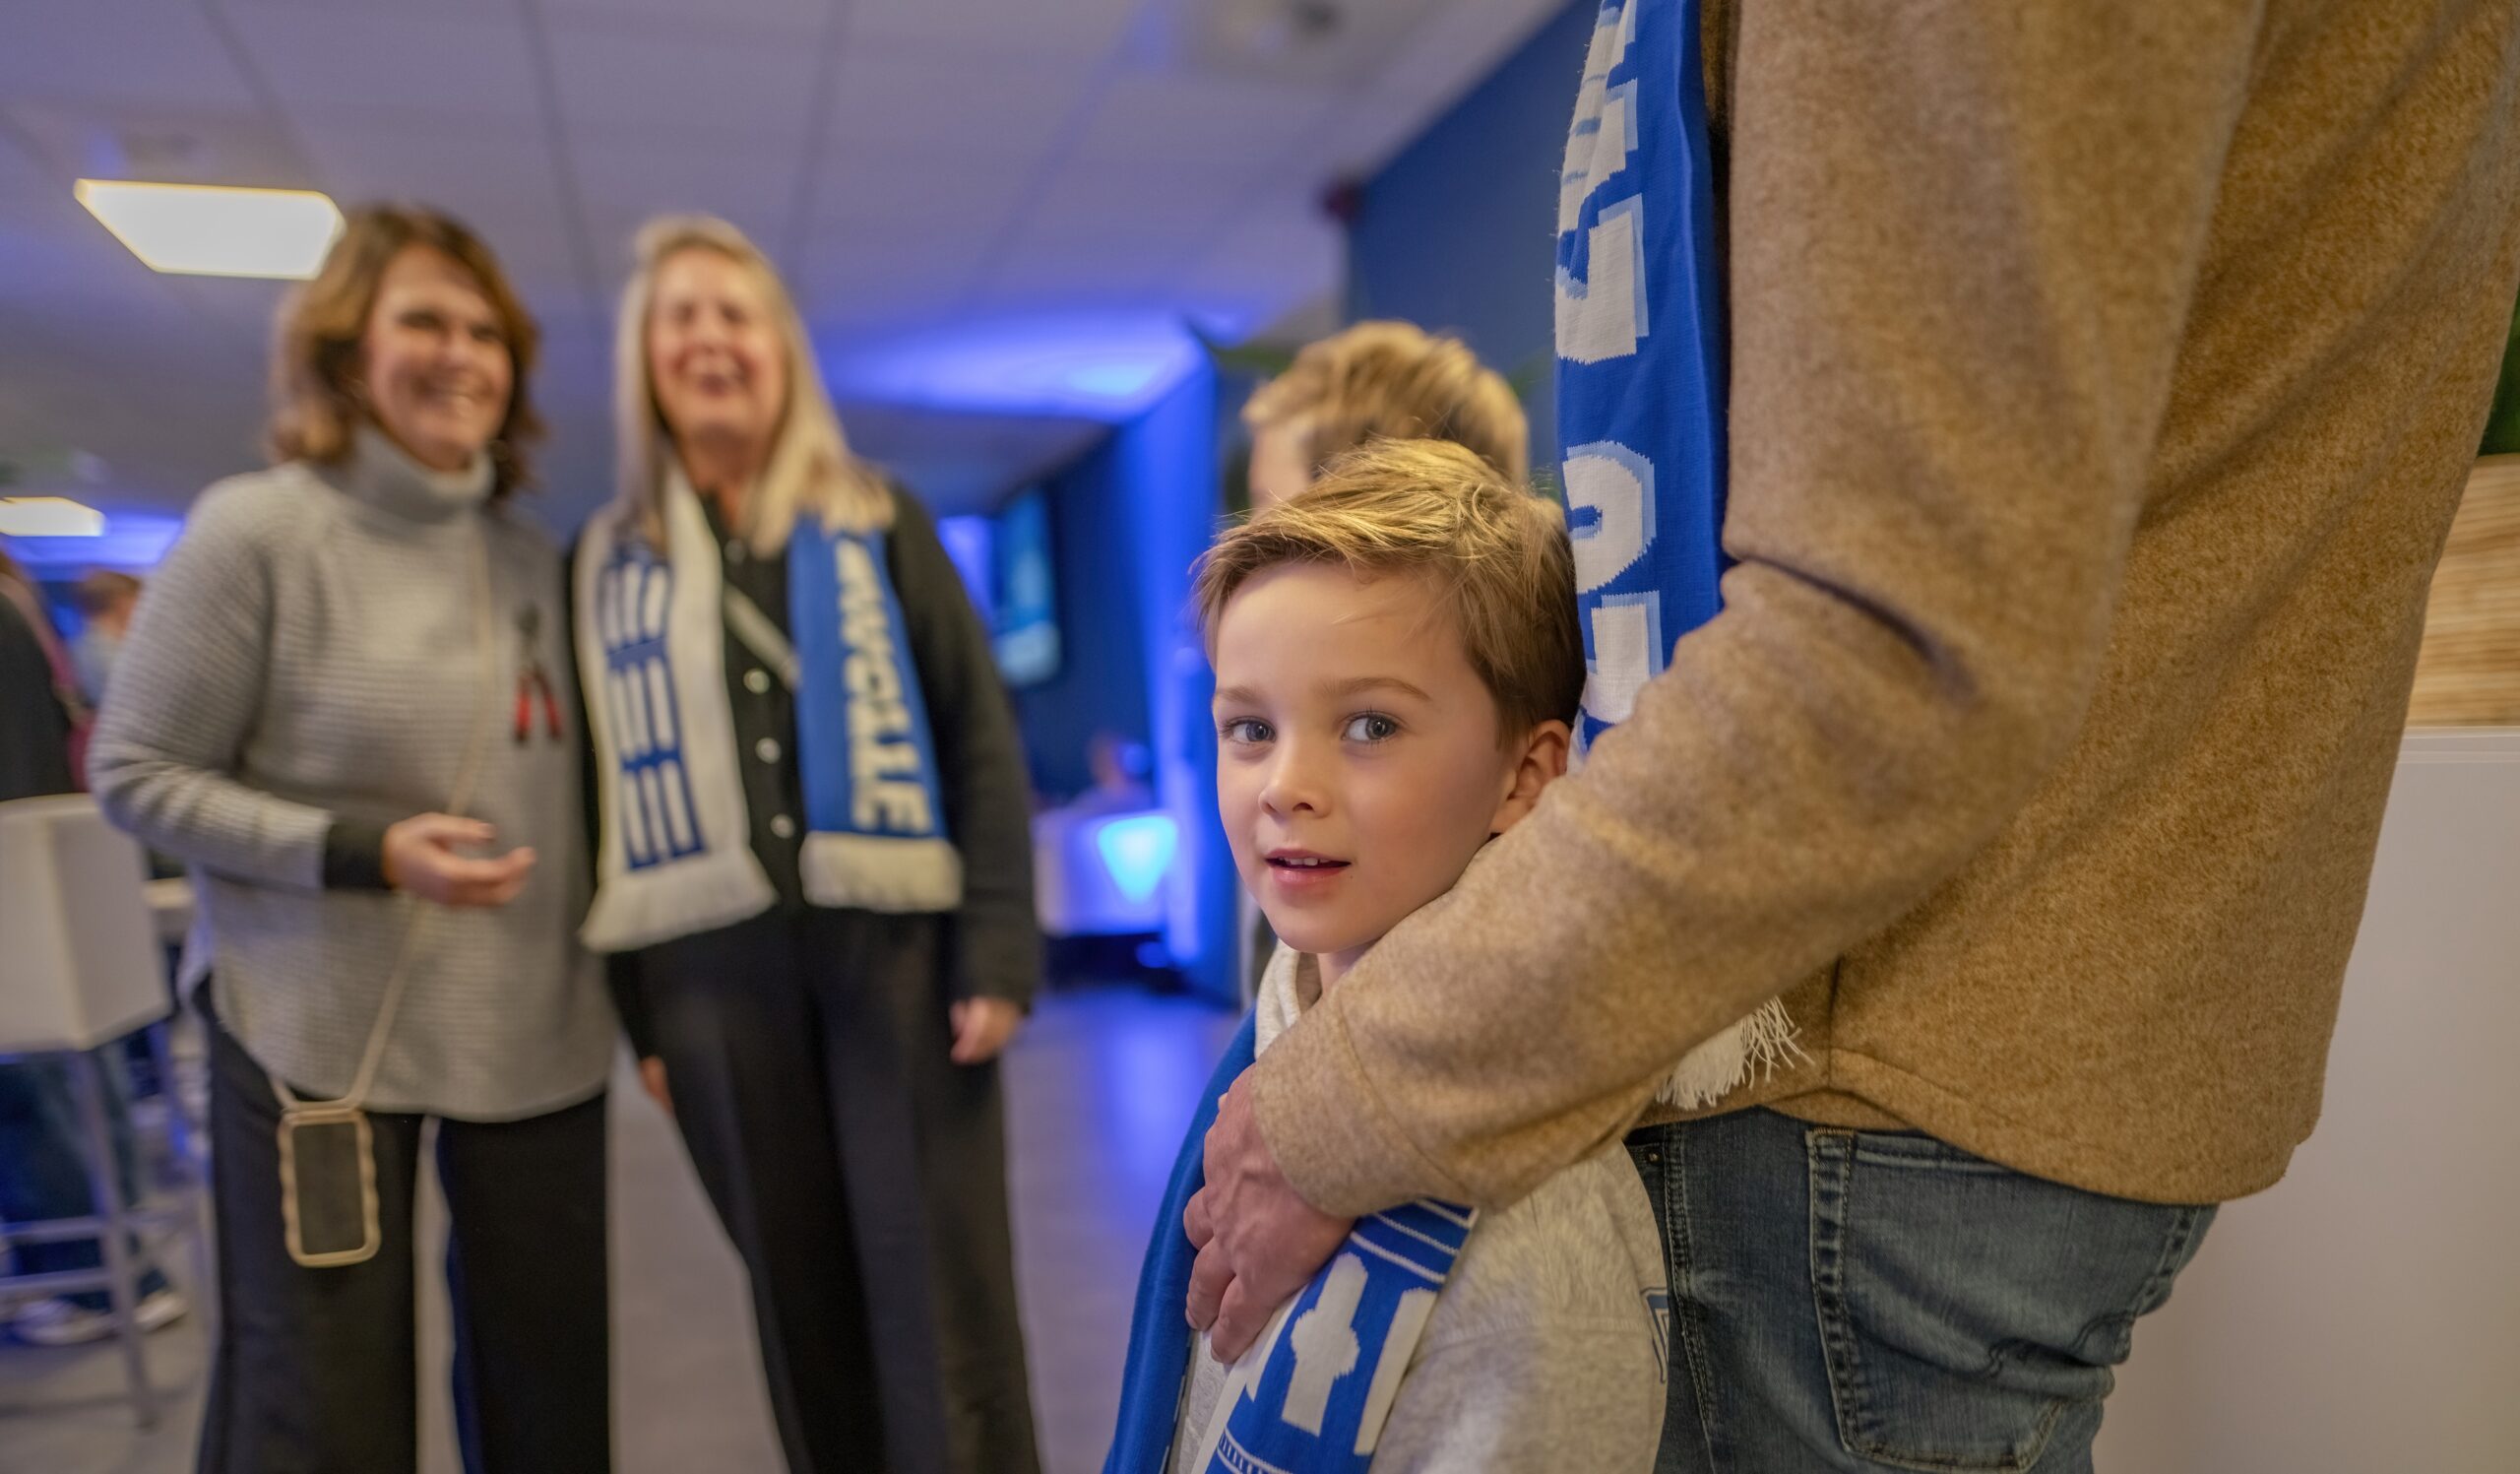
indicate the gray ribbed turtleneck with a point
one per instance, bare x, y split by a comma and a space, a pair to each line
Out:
308, 657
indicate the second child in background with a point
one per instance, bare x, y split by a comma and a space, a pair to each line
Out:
1380, 380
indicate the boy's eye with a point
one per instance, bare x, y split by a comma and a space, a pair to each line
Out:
1372, 727
1246, 729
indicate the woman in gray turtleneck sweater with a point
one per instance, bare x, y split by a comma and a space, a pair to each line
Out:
337, 651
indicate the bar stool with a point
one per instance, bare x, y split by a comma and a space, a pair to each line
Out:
81, 970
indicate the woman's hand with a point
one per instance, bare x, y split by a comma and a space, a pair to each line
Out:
982, 1028
651, 1078
420, 860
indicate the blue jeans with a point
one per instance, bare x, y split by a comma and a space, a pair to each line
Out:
44, 1167
1864, 1301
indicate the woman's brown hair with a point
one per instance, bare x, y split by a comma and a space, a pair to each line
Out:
315, 411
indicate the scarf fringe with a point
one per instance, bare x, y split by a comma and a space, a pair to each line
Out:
1752, 1049
882, 872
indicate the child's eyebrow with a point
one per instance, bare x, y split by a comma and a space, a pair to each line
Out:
1235, 696
1358, 685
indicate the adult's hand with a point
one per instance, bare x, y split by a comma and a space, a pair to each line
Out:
1258, 1240
652, 1080
420, 860
982, 1028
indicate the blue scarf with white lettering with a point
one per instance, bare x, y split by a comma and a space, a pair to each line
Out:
874, 817
1640, 402
675, 856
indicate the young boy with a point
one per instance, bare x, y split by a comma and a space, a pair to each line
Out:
1397, 662
1383, 379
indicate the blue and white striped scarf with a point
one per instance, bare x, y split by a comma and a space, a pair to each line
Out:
1640, 400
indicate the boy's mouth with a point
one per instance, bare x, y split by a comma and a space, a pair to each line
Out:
1302, 862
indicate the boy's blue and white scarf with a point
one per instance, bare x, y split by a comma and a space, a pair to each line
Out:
1640, 400
675, 857
1314, 1393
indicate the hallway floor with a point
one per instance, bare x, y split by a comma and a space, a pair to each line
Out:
1099, 1088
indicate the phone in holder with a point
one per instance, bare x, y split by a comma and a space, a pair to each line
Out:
328, 1185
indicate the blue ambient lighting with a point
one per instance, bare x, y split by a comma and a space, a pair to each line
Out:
1136, 851
131, 542
1107, 367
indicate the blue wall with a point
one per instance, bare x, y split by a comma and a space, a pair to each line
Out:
1458, 232
1129, 519
1102, 681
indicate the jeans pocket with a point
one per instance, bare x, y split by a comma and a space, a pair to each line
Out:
1968, 1314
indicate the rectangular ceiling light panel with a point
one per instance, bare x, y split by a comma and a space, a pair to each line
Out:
48, 517
202, 231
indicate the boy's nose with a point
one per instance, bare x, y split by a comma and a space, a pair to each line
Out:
1292, 786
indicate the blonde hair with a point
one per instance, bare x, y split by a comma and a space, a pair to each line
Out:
1394, 380
1500, 554
810, 468
315, 409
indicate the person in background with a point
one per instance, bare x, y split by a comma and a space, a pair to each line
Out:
814, 868
1379, 378
44, 1173
42, 665
2102, 382
105, 601
336, 707
1120, 767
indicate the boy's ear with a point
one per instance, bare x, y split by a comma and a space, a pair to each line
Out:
1542, 761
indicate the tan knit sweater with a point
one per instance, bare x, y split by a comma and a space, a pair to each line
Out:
2103, 379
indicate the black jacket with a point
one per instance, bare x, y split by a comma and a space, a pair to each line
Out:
35, 728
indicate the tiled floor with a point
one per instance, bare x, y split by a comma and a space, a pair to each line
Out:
1099, 1089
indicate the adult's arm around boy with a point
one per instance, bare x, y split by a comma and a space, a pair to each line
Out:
1964, 243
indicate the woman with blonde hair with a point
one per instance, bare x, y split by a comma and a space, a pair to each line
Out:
332, 706
813, 868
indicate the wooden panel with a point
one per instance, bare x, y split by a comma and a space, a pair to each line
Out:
2469, 673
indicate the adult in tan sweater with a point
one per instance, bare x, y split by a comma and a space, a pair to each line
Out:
2103, 379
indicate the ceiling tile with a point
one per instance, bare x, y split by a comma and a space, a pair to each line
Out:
1173, 120
500, 181
1280, 252
1171, 208
895, 93
924, 192
153, 53
793, 17
24, 177
1032, 28
625, 185
655, 84
463, 69
175, 145
862, 274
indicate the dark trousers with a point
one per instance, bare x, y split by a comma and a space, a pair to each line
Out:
1865, 1301
314, 1372
861, 1175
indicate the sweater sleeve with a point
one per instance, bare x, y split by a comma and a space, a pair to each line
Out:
1964, 241
980, 762
186, 694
